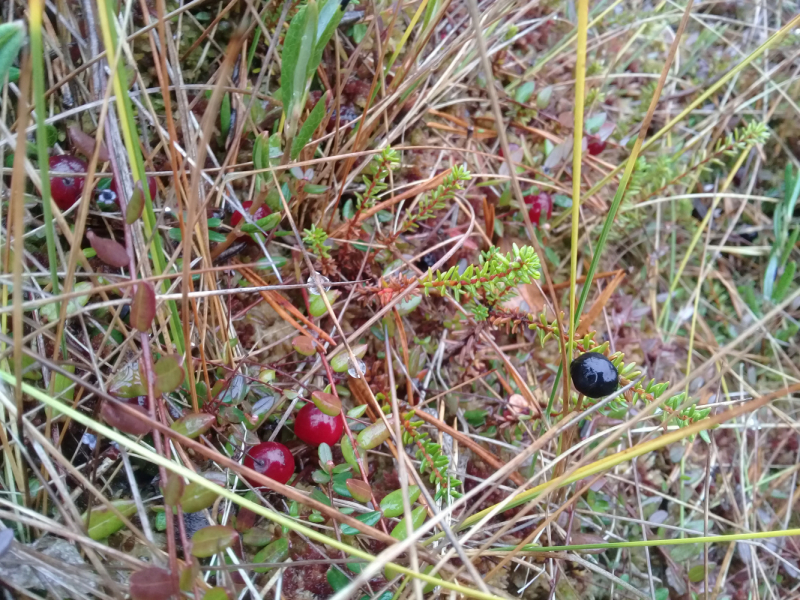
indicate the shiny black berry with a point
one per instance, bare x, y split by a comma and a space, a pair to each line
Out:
593, 375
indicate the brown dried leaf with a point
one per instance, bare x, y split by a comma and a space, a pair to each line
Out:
143, 306
110, 252
152, 583
86, 143
119, 418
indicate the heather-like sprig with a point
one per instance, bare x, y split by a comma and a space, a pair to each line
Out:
492, 279
375, 178
315, 239
437, 200
431, 459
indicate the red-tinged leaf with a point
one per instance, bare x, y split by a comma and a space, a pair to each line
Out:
327, 403
133, 211
143, 306
245, 520
152, 583
359, 489
169, 373
86, 143
212, 539
304, 345
110, 252
194, 424
117, 417
172, 489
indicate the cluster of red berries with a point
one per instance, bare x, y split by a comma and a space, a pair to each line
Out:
312, 426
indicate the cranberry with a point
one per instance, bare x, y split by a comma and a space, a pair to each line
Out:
271, 459
539, 203
314, 427
595, 145
151, 187
66, 191
262, 212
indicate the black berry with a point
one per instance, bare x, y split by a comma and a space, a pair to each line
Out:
593, 375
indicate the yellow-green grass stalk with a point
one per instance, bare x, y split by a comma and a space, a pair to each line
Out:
577, 161
241, 501
36, 12
129, 133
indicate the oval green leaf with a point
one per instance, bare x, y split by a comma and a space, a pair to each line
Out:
103, 522
400, 532
196, 498
169, 373
327, 403
360, 490
193, 424
273, 552
212, 539
392, 504
373, 436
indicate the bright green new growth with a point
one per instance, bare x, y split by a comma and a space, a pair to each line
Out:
315, 239
375, 179
492, 280
437, 200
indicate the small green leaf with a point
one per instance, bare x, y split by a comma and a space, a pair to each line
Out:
225, 115
337, 579
216, 593
103, 522
135, 206
193, 425
196, 498
313, 189
257, 537
169, 373
274, 552
392, 504
400, 531
524, 92
212, 539
373, 436
304, 345
265, 223
357, 412
370, 518
309, 126
327, 403
216, 237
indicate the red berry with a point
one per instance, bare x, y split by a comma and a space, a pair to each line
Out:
314, 427
262, 212
539, 203
66, 191
151, 187
595, 145
271, 459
